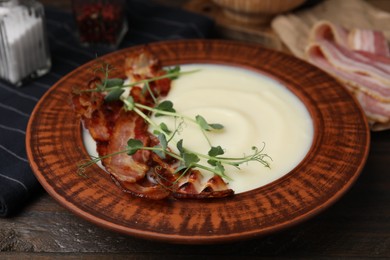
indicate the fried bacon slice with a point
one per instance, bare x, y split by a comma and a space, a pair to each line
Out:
98, 116
122, 166
143, 174
141, 64
191, 187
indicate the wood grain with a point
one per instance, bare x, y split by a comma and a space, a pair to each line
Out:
338, 153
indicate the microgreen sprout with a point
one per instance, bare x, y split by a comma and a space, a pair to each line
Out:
114, 86
188, 159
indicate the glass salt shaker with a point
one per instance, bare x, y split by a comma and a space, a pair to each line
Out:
24, 51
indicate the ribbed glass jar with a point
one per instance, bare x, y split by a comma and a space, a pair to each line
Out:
24, 51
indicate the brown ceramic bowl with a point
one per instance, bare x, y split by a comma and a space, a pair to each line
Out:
256, 11
338, 153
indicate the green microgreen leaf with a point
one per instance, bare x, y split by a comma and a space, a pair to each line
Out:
212, 162
190, 159
179, 146
163, 141
114, 82
219, 169
175, 70
166, 106
159, 151
128, 103
180, 168
215, 151
114, 95
165, 128
133, 145
216, 126
206, 126
202, 122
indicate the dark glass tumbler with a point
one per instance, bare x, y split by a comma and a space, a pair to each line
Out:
100, 21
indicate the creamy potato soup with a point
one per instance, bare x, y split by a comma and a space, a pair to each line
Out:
254, 109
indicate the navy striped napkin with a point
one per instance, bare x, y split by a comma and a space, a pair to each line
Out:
147, 21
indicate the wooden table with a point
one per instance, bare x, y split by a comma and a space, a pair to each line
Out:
358, 225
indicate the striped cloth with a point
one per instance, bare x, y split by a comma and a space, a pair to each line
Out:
147, 21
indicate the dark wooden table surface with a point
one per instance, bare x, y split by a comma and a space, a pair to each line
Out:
357, 226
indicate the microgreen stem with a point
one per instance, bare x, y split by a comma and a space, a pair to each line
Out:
146, 118
201, 166
147, 86
165, 113
143, 81
174, 114
188, 159
88, 163
156, 148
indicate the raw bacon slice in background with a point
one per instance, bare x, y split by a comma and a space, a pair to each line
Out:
360, 59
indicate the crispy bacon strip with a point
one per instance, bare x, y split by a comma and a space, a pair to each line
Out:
143, 174
194, 182
141, 64
98, 117
145, 190
191, 187
123, 167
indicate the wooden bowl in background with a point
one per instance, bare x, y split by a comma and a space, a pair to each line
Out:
256, 11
